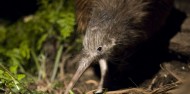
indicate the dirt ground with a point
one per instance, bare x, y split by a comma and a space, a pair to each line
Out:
162, 67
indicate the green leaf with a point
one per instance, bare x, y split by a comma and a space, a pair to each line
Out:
13, 69
2, 33
41, 40
71, 92
24, 50
21, 76
1, 72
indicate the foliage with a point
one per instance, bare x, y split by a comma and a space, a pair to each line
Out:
22, 43
10, 82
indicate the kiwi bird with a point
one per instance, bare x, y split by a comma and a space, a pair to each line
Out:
114, 29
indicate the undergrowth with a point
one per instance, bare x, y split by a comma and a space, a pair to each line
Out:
25, 47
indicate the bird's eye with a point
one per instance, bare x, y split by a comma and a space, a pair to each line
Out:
99, 49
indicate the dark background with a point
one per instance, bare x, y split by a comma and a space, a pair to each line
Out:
12, 10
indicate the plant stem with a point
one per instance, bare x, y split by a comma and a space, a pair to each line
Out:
35, 59
57, 60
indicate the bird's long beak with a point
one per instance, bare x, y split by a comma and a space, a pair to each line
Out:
83, 65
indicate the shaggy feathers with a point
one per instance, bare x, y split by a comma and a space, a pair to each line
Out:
132, 12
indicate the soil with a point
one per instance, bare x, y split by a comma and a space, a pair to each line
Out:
161, 67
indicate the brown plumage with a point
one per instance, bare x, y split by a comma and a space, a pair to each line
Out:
115, 28
83, 13
84, 10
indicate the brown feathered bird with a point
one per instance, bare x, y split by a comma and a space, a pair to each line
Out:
115, 28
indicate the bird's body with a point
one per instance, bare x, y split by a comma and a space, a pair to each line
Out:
115, 28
